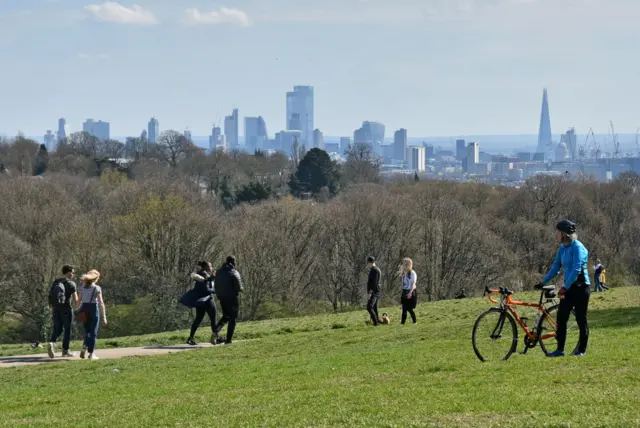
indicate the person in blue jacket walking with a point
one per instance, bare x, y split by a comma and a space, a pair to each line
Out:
572, 257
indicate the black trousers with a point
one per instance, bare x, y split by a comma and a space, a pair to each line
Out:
576, 298
372, 308
209, 309
230, 308
408, 305
62, 319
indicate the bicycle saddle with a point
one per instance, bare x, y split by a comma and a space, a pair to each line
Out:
549, 287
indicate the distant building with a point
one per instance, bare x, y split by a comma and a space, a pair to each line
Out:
473, 158
525, 157
544, 132
430, 151
318, 139
217, 140
345, 143
144, 135
570, 139
153, 132
50, 141
538, 157
286, 139
255, 133
300, 115
371, 134
99, 129
62, 130
231, 133
461, 150
562, 152
416, 159
187, 135
400, 145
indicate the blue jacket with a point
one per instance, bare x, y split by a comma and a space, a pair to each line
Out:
201, 292
573, 259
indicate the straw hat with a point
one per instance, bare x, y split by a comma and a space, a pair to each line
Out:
91, 276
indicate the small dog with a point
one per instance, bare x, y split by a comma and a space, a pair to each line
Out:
385, 319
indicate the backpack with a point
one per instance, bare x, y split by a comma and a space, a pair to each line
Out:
58, 293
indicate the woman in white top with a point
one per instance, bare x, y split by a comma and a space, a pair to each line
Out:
409, 298
92, 307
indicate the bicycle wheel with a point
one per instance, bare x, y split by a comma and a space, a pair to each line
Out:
495, 336
547, 325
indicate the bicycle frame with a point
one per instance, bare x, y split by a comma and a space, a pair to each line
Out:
506, 303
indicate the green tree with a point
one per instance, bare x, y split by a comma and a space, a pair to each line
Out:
315, 171
42, 160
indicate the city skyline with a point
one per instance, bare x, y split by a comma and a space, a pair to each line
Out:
440, 68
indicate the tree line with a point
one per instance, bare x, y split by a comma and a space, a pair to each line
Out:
300, 228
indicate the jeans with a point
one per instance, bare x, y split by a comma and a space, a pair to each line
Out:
576, 298
372, 308
408, 305
211, 310
598, 286
62, 320
91, 326
230, 308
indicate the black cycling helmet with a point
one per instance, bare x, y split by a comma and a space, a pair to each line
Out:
567, 227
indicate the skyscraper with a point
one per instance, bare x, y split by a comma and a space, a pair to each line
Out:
231, 130
473, 157
62, 130
300, 112
153, 130
400, 144
570, 139
255, 133
544, 132
371, 134
416, 159
217, 140
318, 139
50, 141
99, 129
345, 143
461, 149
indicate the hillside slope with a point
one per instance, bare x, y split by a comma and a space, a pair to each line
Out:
333, 371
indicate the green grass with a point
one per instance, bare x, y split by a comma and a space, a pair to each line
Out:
304, 373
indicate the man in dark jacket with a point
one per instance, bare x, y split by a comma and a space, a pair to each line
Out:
62, 312
228, 287
373, 289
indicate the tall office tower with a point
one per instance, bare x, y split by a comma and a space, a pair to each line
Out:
62, 130
217, 140
231, 133
400, 145
570, 139
461, 150
371, 134
255, 133
318, 139
153, 130
300, 112
416, 158
98, 129
544, 132
144, 135
473, 157
50, 141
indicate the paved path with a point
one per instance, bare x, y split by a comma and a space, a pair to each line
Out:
104, 354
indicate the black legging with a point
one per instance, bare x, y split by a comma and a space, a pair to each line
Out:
577, 298
372, 308
209, 309
408, 305
229, 315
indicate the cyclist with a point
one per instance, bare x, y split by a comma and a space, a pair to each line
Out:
572, 256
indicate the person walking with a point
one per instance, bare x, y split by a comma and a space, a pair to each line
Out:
92, 308
228, 288
63, 290
409, 297
599, 277
200, 297
572, 257
373, 290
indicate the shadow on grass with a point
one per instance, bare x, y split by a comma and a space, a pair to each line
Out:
614, 318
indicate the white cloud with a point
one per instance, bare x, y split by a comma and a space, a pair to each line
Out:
115, 12
222, 16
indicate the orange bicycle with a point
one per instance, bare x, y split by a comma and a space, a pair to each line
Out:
500, 339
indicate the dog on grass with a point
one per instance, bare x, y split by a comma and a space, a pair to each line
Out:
384, 319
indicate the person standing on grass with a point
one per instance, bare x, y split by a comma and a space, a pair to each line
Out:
409, 297
200, 297
599, 277
228, 288
63, 290
92, 308
373, 290
572, 257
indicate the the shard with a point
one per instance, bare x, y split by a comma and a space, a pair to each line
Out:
544, 132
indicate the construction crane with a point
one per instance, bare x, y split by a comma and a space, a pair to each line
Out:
616, 143
585, 149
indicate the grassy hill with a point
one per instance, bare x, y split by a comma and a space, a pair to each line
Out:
334, 371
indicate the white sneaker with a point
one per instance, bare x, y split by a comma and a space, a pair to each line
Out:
51, 349
93, 357
68, 354
83, 352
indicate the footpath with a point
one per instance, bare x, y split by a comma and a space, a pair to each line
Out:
103, 354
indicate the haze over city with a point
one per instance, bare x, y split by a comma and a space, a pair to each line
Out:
434, 67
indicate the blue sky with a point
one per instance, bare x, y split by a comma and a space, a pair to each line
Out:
435, 67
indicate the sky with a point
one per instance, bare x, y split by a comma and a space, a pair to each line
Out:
434, 67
